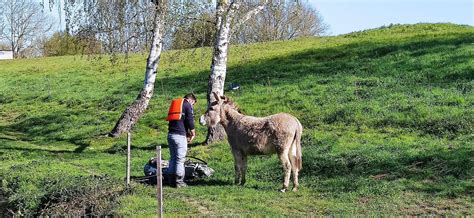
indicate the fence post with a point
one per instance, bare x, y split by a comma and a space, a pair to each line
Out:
129, 140
159, 186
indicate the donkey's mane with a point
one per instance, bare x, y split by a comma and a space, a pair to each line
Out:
232, 104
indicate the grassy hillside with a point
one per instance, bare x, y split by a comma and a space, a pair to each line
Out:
388, 118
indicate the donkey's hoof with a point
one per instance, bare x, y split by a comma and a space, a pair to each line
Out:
283, 190
295, 189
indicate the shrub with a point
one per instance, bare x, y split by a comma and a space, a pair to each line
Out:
53, 191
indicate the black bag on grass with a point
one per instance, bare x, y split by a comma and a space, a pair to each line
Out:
194, 168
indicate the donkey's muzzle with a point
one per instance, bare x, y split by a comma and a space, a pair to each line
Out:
202, 120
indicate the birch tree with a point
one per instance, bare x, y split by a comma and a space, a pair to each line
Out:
226, 11
134, 111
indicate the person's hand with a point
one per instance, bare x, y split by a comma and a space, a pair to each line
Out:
190, 136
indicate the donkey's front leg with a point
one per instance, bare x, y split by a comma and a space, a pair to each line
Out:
239, 166
243, 169
237, 174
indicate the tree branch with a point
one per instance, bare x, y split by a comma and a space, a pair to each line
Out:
252, 12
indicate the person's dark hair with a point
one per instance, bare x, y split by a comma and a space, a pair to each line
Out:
191, 96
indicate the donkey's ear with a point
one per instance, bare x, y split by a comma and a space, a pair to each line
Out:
225, 98
216, 96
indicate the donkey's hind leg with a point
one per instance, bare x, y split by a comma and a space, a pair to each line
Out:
285, 162
294, 170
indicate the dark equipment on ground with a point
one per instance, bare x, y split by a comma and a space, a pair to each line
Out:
234, 87
195, 168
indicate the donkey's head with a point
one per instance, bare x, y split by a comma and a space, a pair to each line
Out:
213, 114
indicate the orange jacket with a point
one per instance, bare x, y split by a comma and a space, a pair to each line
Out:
176, 110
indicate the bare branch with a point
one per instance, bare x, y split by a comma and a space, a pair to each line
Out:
251, 13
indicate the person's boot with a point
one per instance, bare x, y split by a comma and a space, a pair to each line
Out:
180, 182
171, 180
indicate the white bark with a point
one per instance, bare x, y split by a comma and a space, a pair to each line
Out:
224, 17
155, 54
225, 13
132, 113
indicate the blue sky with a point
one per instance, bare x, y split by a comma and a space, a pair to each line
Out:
344, 16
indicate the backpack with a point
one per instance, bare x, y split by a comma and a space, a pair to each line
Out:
175, 111
193, 169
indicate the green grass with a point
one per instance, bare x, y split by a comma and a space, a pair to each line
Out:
388, 118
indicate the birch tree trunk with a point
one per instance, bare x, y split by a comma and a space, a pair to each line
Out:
135, 110
225, 13
224, 16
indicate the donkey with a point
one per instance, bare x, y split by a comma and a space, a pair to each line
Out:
247, 135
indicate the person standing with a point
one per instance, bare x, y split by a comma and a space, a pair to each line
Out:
180, 132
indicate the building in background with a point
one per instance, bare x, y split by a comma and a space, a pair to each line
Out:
6, 55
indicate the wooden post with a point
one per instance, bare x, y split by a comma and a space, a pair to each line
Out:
159, 186
129, 140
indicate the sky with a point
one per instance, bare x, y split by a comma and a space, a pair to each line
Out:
345, 16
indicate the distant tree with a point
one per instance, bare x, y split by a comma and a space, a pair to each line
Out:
62, 43
4, 46
121, 26
21, 21
282, 20
199, 32
34, 49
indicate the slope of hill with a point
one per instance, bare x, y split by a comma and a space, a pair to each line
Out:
388, 118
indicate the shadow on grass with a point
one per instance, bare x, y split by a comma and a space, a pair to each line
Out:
432, 170
210, 182
121, 148
61, 151
442, 173
48, 128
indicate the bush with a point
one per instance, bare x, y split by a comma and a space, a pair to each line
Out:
61, 44
53, 191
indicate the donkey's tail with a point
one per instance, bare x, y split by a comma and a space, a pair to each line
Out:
297, 146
